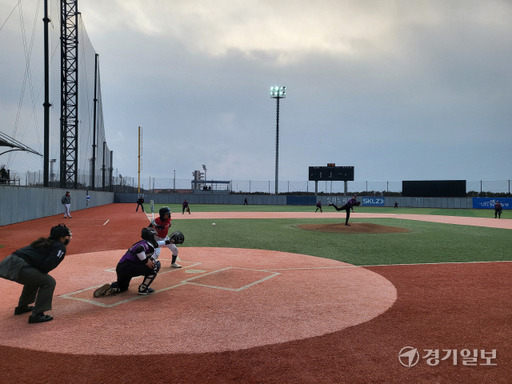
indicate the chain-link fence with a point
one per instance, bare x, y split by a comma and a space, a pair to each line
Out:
111, 180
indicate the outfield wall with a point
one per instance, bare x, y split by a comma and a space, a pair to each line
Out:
19, 204
224, 198
418, 202
369, 201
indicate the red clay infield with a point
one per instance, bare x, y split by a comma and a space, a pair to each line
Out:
253, 316
221, 300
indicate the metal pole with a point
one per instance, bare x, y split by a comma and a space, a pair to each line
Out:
103, 168
93, 170
277, 146
111, 170
46, 104
138, 171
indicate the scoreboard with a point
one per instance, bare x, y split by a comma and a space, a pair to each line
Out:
331, 172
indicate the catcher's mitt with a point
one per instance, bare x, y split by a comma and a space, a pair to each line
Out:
177, 237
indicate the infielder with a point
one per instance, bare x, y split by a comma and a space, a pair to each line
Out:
162, 225
137, 261
347, 207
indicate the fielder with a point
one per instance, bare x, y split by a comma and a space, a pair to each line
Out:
137, 261
185, 207
66, 202
162, 225
497, 210
347, 207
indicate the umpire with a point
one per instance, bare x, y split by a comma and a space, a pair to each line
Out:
30, 265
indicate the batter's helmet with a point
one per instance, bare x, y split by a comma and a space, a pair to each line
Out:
148, 233
163, 211
177, 237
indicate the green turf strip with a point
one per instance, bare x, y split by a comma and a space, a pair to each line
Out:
176, 208
424, 243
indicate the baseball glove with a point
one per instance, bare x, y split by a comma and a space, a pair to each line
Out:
177, 237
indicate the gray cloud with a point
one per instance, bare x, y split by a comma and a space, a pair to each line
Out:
401, 90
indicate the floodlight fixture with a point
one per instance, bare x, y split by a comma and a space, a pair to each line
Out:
277, 92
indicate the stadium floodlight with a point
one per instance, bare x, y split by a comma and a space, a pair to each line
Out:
278, 93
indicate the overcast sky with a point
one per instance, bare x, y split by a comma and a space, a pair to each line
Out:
401, 90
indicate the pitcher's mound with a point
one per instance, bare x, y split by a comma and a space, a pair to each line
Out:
353, 228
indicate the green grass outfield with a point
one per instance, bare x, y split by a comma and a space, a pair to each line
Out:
301, 208
424, 243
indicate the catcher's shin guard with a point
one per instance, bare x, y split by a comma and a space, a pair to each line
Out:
144, 287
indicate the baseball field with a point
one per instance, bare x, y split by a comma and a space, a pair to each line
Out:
273, 294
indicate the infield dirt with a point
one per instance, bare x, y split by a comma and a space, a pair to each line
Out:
352, 228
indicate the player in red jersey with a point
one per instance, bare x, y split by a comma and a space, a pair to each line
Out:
162, 225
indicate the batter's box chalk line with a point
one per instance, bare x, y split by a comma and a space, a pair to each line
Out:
189, 281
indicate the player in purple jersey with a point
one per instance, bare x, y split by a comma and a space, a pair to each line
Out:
137, 261
347, 207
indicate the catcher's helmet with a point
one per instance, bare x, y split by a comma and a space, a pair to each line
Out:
59, 231
148, 233
177, 237
163, 211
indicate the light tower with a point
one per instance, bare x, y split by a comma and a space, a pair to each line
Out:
277, 92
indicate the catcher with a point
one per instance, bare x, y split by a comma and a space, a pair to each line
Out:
347, 207
162, 225
137, 261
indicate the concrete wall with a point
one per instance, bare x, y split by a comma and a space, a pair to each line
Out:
19, 204
201, 198
418, 202
431, 202
212, 198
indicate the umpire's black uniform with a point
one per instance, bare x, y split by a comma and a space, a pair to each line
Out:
29, 266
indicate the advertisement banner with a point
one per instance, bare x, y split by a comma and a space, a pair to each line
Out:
373, 201
489, 202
